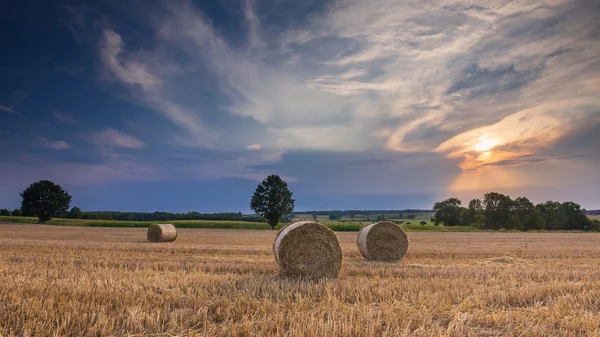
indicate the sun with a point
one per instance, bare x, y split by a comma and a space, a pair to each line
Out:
485, 144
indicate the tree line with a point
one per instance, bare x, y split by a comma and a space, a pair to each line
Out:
45, 199
498, 211
76, 213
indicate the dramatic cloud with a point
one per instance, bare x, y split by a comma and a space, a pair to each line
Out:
405, 77
476, 93
114, 138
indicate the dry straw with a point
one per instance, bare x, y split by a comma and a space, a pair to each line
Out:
383, 241
161, 233
308, 250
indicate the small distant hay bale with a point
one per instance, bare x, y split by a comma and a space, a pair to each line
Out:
307, 250
161, 233
383, 241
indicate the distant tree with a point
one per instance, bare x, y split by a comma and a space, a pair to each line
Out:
474, 213
400, 216
380, 217
412, 216
272, 199
315, 216
448, 212
16, 212
352, 214
552, 215
498, 210
423, 223
333, 216
45, 200
4, 212
595, 225
525, 214
575, 216
75, 213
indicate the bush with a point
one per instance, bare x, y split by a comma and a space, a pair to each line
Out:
4, 212
16, 212
423, 223
408, 222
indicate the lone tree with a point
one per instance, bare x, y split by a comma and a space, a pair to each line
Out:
448, 211
272, 200
75, 213
45, 200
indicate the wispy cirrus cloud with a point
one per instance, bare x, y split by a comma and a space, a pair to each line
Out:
116, 139
54, 144
7, 109
147, 86
64, 117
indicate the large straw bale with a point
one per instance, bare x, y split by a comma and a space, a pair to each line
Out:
383, 241
161, 233
307, 250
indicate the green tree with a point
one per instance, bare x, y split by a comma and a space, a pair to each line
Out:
412, 216
552, 215
498, 211
333, 216
16, 212
474, 213
448, 212
525, 214
575, 216
352, 214
4, 212
272, 199
45, 200
75, 213
315, 216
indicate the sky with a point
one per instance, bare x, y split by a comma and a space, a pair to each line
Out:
390, 104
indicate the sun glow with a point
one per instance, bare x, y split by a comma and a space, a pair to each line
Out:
485, 144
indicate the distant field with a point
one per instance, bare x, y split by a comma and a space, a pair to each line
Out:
334, 225
84, 281
112, 223
373, 217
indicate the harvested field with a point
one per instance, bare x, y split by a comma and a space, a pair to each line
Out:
212, 282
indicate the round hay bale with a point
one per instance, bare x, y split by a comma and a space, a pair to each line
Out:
307, 250
161, 233
383, 241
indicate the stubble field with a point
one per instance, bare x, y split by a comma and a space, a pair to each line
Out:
213, 282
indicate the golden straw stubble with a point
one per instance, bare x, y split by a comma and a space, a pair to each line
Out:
161, 233
307, 250
383, 241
